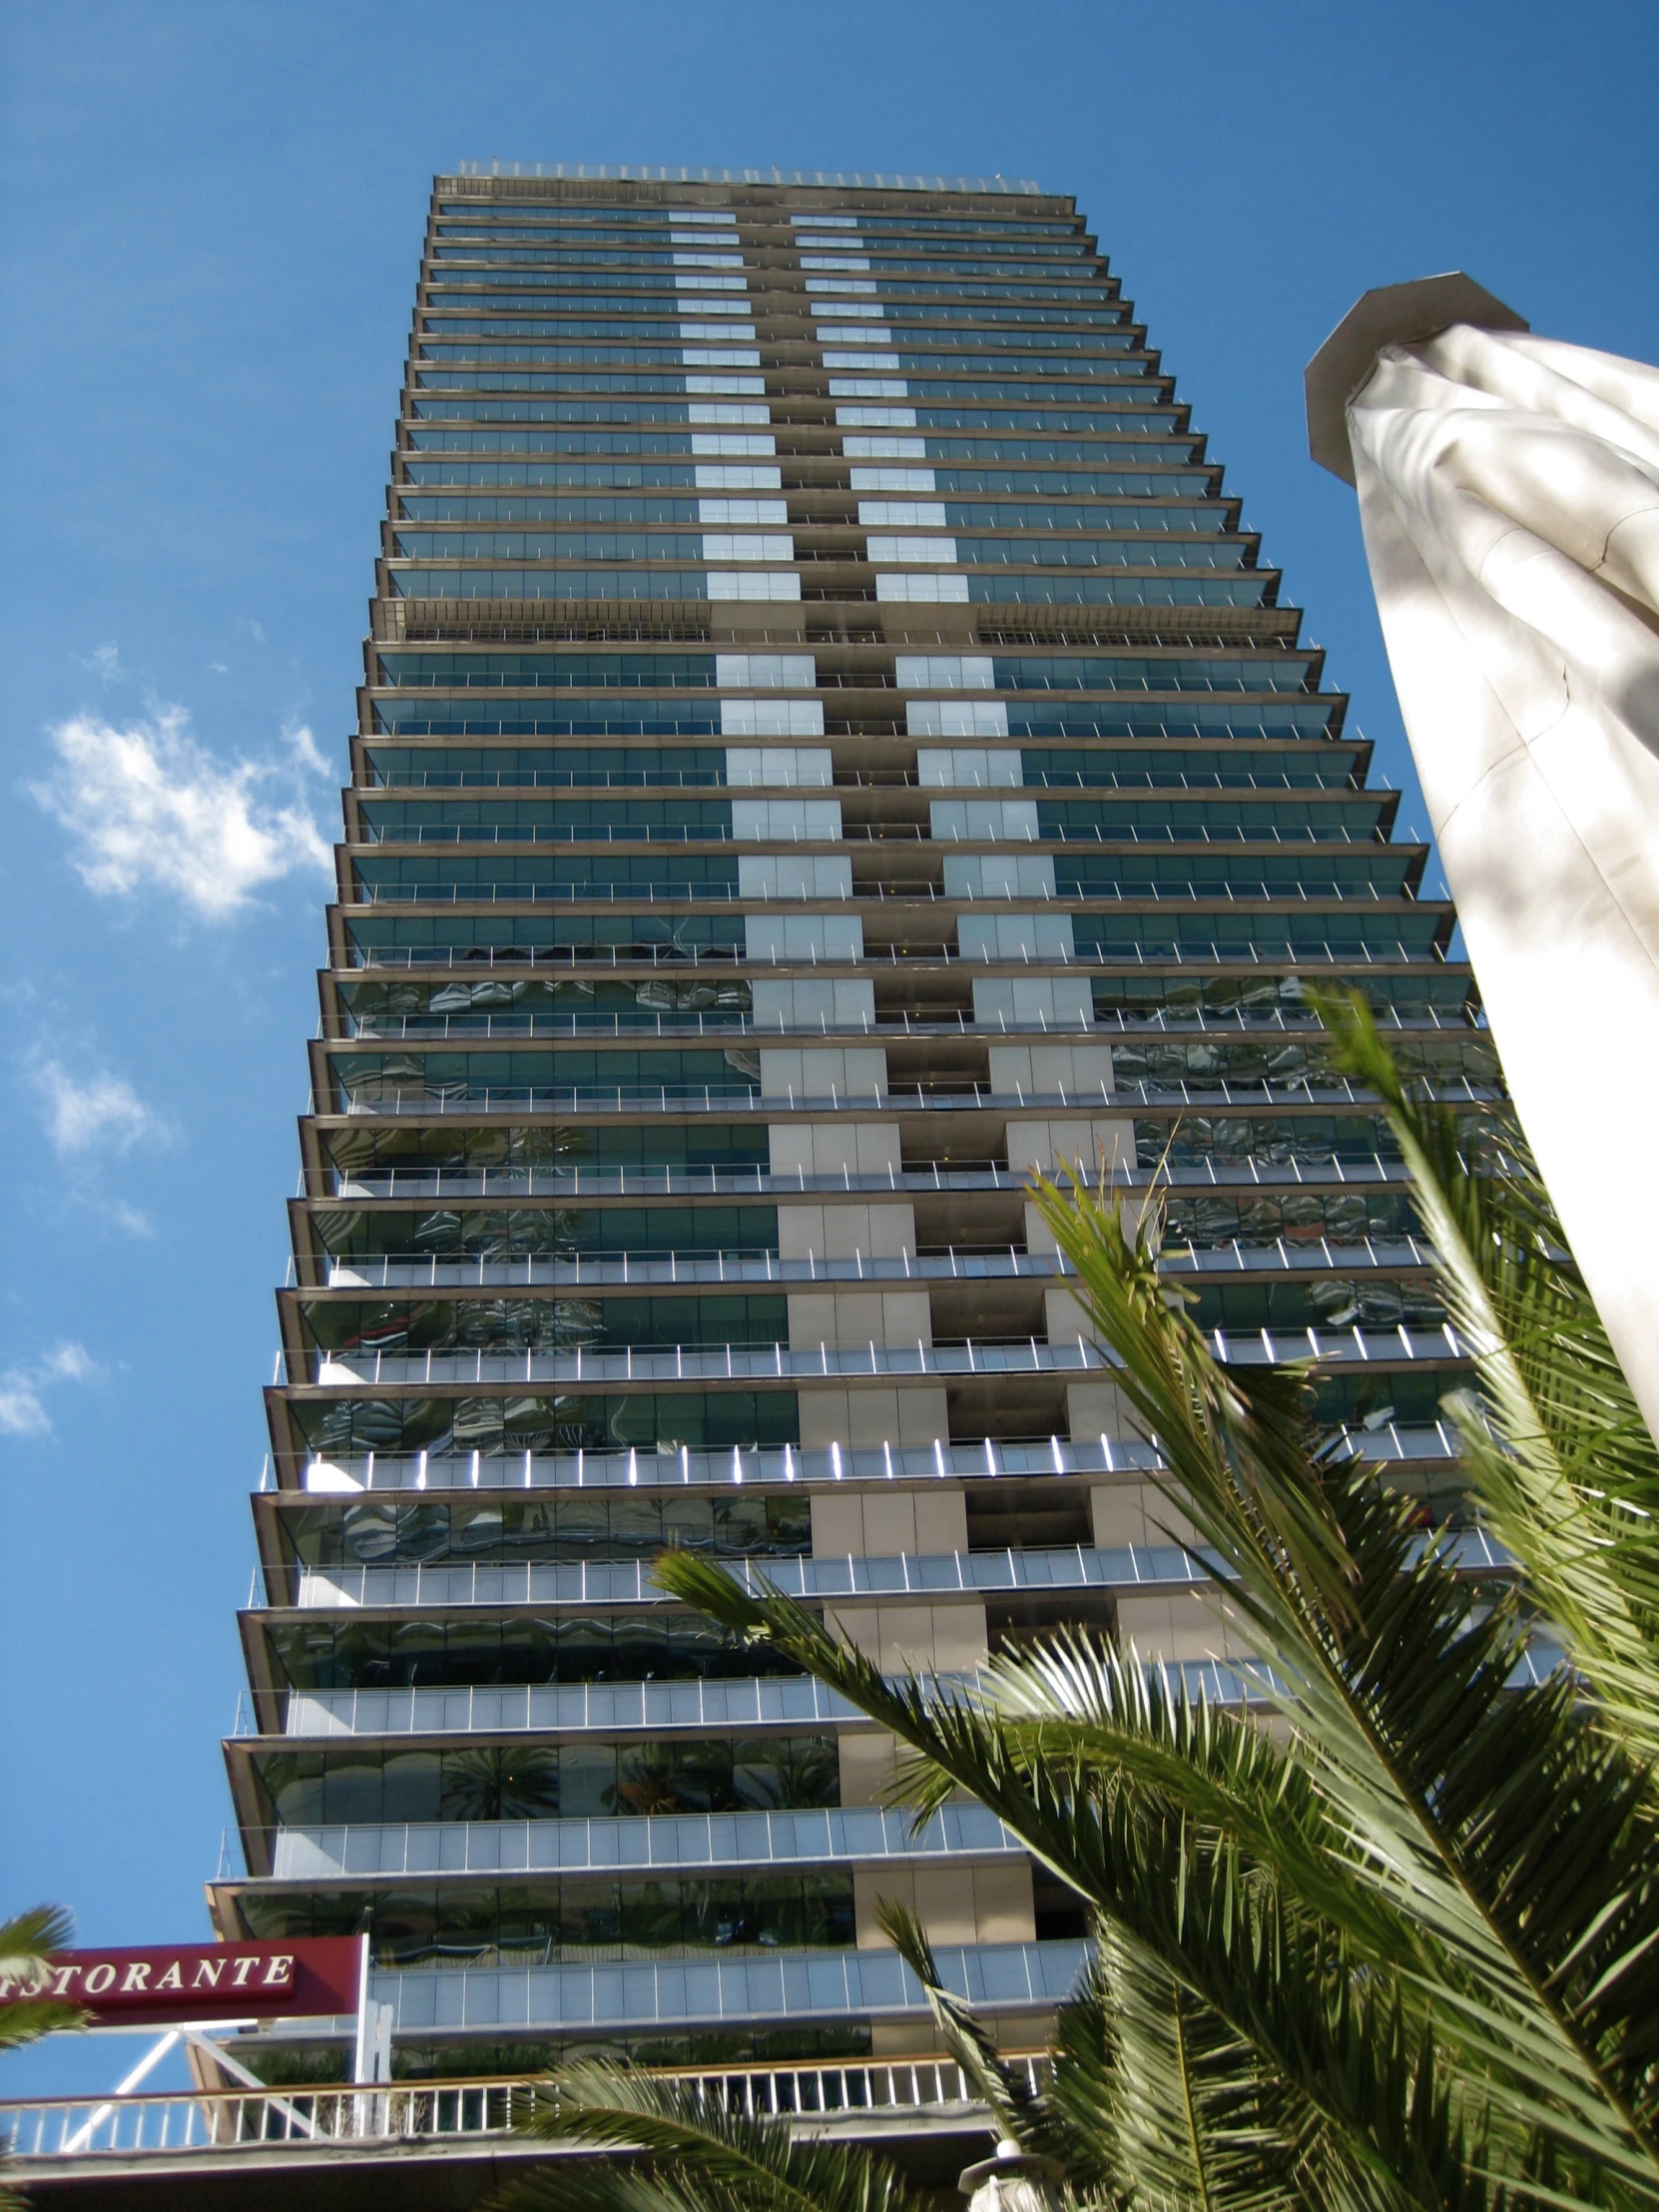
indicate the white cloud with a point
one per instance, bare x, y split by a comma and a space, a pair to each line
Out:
105, 662
103, 1110
148, 807
22, 1410
305, 750
133, 1219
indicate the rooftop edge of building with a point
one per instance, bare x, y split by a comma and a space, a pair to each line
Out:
836, 179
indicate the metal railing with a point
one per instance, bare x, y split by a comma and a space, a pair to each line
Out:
598, 1270
678, 1843
374, 778
391, 1471
1124, 1568
780, 1363
163, 2126
946, 1022
1197, 954
952, 1095
741, 1702
633, 1581
718, 1362
376, 834
575, 1182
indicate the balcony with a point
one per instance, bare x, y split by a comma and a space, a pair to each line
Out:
676, 1843
777, 1363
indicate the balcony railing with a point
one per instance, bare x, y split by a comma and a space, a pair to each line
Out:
1121, 1569
847, 2096
385, 1471
600, 1270
953, 1095
546, 1707
677, 1841
1198, 953
573, 1182
782, 1363
633, 1581
376, 834
885, 1025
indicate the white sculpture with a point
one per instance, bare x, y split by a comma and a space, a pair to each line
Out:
1509, 497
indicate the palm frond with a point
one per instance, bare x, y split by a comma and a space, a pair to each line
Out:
1006, 2092
1207, 1917
692, 2153
26, 1940
1563, 1463
1392, 1618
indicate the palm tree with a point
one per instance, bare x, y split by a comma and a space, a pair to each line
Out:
25, 1945
1400, 1949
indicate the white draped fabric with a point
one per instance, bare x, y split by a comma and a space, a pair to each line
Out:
1510, 496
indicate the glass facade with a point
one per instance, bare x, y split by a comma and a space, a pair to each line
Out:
829, 746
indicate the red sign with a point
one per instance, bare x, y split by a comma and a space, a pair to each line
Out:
202, 1982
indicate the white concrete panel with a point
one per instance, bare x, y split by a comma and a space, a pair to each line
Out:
773, 718
846, 1232
1006, 875
739, 476
733, 356
969, 767
764, 671
890, 479
772, 764
759, 583
846, 1319
804, 938
1053, 1143
919, 552
729, 545
961, 718
788, 821
1003, 936
1055, 1001
1042, 1069
816, 1071
864, 418
901, 514
922, 589
954, 820
795, 876
838, 1146
735, 386
813, 1002
945, 672
745, 510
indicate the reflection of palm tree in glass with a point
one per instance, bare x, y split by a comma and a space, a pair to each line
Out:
497, 1784
645, 1780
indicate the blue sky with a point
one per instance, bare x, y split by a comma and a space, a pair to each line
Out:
211, 217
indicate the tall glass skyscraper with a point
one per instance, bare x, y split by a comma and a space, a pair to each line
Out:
828, 745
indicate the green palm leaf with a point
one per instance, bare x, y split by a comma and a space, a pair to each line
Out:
1379, 1662
691, 2154
1343, 2047
25, 1943
1567, 1471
